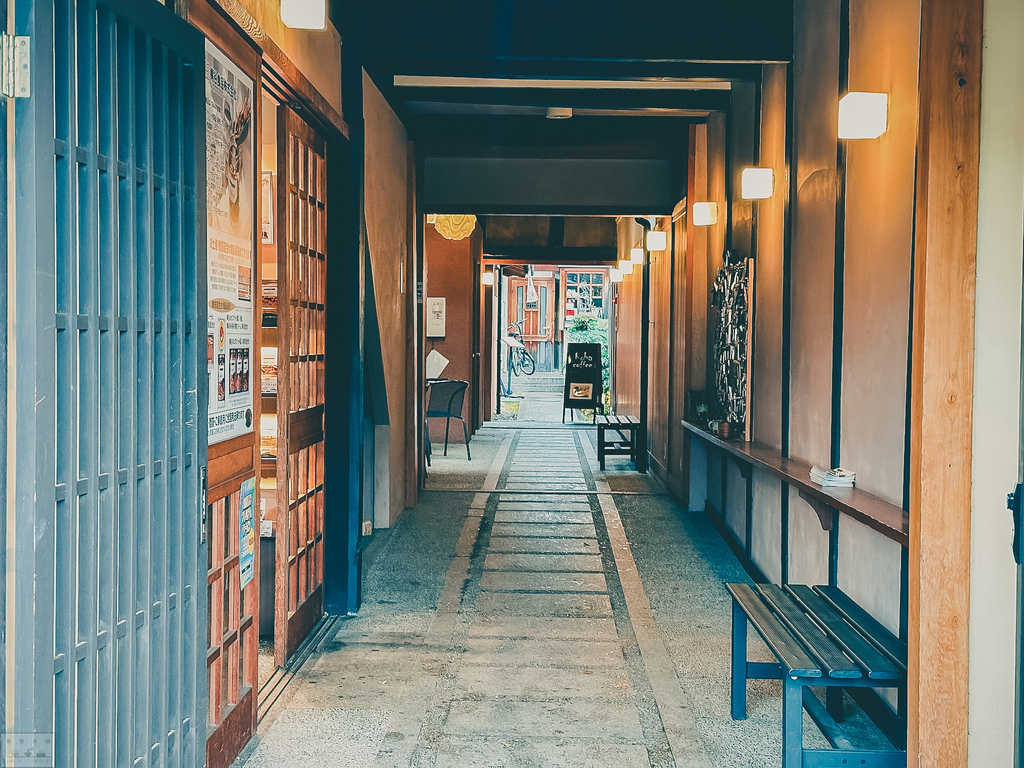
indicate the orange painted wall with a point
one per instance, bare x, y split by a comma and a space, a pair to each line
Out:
450, 273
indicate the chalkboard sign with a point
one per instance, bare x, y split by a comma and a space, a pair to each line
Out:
584, 386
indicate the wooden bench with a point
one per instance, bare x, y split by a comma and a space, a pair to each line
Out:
624, 436
821, 638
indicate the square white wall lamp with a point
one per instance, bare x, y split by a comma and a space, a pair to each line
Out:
304, 14
705, 214
863, 115
656, 240
757, 183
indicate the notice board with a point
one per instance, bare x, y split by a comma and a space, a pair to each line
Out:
584, 385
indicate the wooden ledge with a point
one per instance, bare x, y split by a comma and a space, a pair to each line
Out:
888, 519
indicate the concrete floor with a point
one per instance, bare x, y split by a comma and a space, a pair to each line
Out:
534, 611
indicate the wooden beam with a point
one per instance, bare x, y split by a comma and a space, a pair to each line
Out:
942, 385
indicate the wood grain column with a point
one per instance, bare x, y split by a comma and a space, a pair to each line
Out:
943, 346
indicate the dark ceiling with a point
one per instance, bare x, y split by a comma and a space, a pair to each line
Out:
474, 78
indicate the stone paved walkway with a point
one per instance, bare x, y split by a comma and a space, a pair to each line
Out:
511, 626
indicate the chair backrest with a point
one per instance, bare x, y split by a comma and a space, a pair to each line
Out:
446, 398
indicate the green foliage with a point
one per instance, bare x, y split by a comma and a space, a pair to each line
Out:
591, 329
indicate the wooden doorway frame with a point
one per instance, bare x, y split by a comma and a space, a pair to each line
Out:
945, 256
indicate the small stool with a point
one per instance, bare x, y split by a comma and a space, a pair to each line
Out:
625, 427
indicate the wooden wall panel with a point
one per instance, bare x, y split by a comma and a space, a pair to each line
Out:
662, 349
884, 38
682, 341
627, 329
946, 236
816, 97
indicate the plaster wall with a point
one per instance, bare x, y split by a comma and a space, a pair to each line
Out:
879, 232
766, 525
317, 54
808, 544
816, 98
735, 502
995, 590
766, 412
386, 181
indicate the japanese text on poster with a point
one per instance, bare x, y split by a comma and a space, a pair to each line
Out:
230, 182
247, 533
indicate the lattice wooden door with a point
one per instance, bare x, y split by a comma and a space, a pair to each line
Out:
302, 268
108, 601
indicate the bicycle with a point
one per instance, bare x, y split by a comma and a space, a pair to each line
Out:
520, 361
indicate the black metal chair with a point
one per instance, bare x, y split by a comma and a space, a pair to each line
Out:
445, 402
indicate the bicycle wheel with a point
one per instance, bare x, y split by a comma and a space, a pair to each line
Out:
528, 364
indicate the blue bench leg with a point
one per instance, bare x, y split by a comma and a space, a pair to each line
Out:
792, 723
739, 662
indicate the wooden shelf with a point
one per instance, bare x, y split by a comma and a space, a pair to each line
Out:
888, 519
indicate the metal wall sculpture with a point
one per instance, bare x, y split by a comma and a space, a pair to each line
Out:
729, 295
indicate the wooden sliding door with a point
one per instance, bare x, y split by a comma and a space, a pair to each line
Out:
302, 267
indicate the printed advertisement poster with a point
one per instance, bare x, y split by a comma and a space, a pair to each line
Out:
230, 190
247, 533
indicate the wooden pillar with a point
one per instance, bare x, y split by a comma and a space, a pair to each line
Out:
943, 345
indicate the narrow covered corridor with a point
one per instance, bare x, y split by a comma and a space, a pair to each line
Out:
554, 615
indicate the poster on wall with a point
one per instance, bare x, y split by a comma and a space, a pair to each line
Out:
247, 533
230, 190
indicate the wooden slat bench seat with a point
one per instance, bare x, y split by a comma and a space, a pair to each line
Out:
821, 638
616, 436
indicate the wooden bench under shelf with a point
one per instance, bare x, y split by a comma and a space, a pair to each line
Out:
820, 637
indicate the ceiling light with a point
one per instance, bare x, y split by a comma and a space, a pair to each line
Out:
453, 227
615, 275
656, 240
626, 266
863, 115
636, 255
705, 214
304, 14
559, 113
757, 183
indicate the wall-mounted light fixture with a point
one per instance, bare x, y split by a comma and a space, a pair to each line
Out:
626, 266
636, 255
656, 240
757, 183
705, 214
615, 275
863, 115
487, 277
304, 14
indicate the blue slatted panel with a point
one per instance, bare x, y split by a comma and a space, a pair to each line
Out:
109, 593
